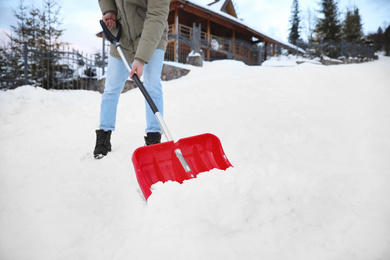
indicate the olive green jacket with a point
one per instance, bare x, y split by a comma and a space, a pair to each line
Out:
144, 26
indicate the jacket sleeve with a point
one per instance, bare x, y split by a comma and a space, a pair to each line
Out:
107, 6
154, 26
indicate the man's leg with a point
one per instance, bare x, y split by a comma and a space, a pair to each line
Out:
115, 79
116, 76
152, 82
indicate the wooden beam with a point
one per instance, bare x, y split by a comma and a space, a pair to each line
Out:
173, 5
176, 31
234, 40
208, 39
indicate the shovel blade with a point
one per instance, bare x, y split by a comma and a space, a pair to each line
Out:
159, 162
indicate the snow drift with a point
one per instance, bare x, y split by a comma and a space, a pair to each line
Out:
310, 146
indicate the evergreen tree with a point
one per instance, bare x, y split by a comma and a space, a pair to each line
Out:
21, 30
39, 28
33, 23
3, 66
50, 22
387, 41
380, 40
310, 24
377, 40
14, 51
329, 27
48, 43
352, 27
295, 23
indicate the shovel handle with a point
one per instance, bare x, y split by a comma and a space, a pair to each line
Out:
110, 37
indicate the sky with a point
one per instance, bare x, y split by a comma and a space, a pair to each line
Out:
80, 17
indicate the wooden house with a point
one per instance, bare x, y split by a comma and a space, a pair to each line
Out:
222, 35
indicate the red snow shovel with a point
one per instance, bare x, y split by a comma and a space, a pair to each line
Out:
170, 161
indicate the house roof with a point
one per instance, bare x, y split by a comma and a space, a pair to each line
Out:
224, 6
217, 4
217, 8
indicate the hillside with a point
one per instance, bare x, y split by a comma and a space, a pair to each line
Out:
310, 146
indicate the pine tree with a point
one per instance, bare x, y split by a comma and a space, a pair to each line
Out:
48, 43
50, 23
329, 27
387, 41
14, 51
39, 28
33, 23
310, 21
377, 40
352, 27
21, 30
295, 23
380, 40
3, 66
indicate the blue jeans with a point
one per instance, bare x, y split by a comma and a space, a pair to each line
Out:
116, 77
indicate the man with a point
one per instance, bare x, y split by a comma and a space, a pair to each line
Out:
143, 41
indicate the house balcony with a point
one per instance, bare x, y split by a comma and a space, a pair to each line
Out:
213, 47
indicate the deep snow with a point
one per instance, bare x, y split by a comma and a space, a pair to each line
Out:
310, 146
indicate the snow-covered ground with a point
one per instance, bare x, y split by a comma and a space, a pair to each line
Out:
310, 146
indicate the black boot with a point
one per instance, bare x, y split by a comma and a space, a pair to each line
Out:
103, 144
152, 138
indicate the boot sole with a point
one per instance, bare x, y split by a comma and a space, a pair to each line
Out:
99, 156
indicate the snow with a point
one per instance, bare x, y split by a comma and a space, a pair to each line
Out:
330, 59
310, 146
194, 54
288, 61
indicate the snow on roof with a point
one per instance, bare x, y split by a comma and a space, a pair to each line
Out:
216, 8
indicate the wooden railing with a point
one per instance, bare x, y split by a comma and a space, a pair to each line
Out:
217, 47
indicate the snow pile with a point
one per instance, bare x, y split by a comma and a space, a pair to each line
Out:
310, 146
194, 54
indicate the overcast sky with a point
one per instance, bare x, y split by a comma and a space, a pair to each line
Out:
80, 17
